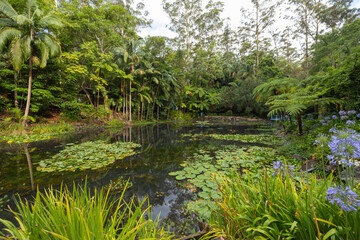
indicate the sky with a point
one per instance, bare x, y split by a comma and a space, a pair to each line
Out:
231, 11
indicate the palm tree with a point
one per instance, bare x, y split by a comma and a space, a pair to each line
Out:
130, 54
28, 37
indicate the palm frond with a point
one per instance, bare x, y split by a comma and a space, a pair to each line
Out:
26, 46
52, 45
30, 4
51, 20
280, 85
16, 54
44, 52
7, 9
37, 13
7, 22
21, 20
6, 35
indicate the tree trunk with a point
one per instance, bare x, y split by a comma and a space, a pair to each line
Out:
126, 104
300, 124
27, 108
158, 112
16, 102
132, 73
148, 111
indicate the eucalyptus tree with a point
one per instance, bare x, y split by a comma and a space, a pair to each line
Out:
28, 37
183, 16
209, 24
308, 22
339, 13
257, 20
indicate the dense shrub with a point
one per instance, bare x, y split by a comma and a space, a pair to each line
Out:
71, 110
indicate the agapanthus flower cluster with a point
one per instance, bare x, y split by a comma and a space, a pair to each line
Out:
351, 112
346, 114
281, 168
342, 113
350, 122
345, 147
346, 199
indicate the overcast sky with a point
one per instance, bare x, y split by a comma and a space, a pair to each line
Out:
231, 11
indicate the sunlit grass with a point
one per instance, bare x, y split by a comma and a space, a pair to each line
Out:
77, 214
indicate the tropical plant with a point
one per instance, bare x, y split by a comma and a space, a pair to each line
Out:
294, 104
28, 37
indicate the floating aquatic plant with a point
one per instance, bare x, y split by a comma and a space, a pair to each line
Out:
118, 184
88, 155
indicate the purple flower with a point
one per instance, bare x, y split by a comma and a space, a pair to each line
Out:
350, 122
345, 162
342, 113
345, 199
344, 144
333, 129
344, 117
358, 116
327, 118
351, 112
280, 167
334, 117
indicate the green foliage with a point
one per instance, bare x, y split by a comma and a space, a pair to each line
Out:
70, 214
265, 139
115, 123
301, 145
3, 103
58, 128
204, 172
71, 110
16, 116
87, 155
181, 116
20, 139
279, 206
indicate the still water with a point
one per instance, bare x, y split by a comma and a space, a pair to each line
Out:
163, 149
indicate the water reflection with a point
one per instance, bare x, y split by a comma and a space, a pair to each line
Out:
28, 158
162, 150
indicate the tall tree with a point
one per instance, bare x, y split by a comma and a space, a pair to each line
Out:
183, 16
339, 13
257, 20
28, 37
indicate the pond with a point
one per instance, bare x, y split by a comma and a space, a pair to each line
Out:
163, 148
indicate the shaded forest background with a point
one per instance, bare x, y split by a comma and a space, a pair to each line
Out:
105, 69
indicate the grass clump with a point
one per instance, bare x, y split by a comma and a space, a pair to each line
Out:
68, 215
